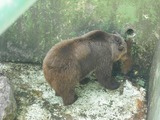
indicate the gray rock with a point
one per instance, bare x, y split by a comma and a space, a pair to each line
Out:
7, 101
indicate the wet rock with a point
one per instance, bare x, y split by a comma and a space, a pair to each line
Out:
7, 102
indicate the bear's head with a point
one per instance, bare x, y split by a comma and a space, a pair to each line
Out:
118, 47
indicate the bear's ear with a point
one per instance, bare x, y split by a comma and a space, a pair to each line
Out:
130, 33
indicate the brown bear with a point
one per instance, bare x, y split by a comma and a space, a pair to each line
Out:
69, 61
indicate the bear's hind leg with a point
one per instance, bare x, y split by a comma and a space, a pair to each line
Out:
66, 92
56, 94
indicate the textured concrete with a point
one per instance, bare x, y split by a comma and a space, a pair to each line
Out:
154, 88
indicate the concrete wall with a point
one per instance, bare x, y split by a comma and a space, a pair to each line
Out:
154, 88
50, 21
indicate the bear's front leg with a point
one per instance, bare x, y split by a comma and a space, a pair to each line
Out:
113, 84
103, 74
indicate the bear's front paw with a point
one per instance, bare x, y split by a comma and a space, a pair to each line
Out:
113, 85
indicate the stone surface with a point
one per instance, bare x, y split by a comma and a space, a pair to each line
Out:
7, 100
37, 101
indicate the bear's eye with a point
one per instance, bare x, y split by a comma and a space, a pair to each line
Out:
118, 41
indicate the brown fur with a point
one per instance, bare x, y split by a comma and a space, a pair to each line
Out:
70, 61
127, 58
